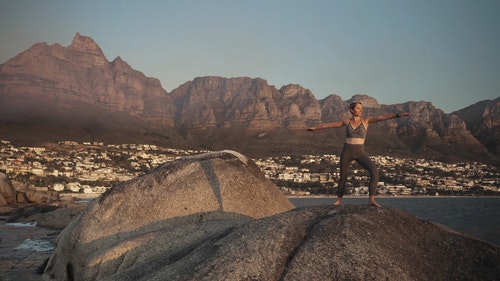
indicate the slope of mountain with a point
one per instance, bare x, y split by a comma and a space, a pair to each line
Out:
483, 121
51, 93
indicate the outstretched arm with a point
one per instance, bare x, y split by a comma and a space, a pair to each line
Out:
386, 117
336, 124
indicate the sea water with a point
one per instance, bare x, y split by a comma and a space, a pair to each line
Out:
474, 216
21, 237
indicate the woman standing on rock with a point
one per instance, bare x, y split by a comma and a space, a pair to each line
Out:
354, 148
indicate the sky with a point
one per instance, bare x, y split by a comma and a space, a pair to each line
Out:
446, 52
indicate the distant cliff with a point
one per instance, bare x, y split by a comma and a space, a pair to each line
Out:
51, 93
483, 120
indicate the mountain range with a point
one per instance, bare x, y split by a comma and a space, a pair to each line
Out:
50, 93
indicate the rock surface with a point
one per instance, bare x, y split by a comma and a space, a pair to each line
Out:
353, 242
329, 243
164, 215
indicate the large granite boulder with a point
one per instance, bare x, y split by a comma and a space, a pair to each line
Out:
164, 214
352, 242
176, 223
355, 242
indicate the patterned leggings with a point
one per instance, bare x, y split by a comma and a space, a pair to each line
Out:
356, 152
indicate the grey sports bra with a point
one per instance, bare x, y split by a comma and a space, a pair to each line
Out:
359, 132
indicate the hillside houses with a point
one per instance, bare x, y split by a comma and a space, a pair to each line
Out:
74, 164
93, 167
403, 176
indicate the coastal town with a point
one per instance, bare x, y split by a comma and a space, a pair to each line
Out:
92, 168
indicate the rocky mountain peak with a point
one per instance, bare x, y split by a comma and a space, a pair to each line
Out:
367, 101
120, 65
84, 44
483, 120
88, 46
293, 90
307, 106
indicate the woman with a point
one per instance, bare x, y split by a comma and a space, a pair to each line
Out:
354, 148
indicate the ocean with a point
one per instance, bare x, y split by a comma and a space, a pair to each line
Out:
474, 216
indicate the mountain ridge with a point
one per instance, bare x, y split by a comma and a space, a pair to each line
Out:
76, 92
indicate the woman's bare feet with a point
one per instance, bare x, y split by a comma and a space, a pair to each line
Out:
372, 202
339, 200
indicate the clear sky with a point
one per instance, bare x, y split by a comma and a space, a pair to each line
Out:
443, 51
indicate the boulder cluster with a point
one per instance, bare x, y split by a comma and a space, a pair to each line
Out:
22, 203
14, 194
17, 193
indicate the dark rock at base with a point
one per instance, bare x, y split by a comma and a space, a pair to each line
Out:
47, 215
18, 275
24, 263
7, 210
23, 214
